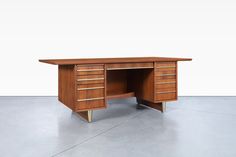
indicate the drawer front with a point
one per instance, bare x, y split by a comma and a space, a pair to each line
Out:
90, 81
96, 72
93, 69
160, 65
90, 76
129, 66
90, 104
89, 86
165, 87
164, 71
84, 67
165, 96
89, 93
165, 78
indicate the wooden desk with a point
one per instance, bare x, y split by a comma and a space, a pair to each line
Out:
87, 84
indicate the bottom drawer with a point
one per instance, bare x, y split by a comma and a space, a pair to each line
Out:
90, 93
90, 104
166, 96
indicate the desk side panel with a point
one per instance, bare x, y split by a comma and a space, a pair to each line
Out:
66, 85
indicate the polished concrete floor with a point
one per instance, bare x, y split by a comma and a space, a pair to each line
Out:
191, 127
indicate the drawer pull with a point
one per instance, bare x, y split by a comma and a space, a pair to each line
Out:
129, 68
90, 79
166, 82
99, 98
90, 70
90, 88
160, 67
167, 75
166, 92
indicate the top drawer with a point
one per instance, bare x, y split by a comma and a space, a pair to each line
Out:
161, 65
118, 66
90, 69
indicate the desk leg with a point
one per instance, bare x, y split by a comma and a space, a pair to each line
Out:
87, 115
161, 106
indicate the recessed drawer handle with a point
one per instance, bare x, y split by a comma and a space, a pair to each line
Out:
129, 68
90, 88
165, 67
99, 98
166, 82
167, 75
90, 70
90, 79
166, 92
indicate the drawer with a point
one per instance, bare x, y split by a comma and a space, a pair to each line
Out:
90, 86
165, 78
90, 76
90, 81
160, 87
90, 93
160, 65
165, 96
91, 67
164, 71
90, 104
93, 72
129, 66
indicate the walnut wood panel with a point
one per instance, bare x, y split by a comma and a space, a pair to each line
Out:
123, 95
90, 81
165, 71
165, 86
166, 78
97, 72
89, 76
165, 64
160, 79
85, 67
166, 96
141, 81
111, 60
66, 85
95, 85
89, 93
116, 66
92, 104
158, 90
116, 82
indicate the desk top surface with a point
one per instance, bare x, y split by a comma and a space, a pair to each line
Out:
110, 60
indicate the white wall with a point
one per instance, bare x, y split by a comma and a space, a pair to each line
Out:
202, 29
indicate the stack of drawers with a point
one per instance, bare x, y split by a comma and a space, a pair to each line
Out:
90, 91
165, 81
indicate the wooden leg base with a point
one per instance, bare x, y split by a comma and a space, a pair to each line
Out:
159, 106
87, 115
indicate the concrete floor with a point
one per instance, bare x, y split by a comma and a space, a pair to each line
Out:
191, 127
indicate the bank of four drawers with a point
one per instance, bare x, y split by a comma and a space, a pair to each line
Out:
90, 91
165, 81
